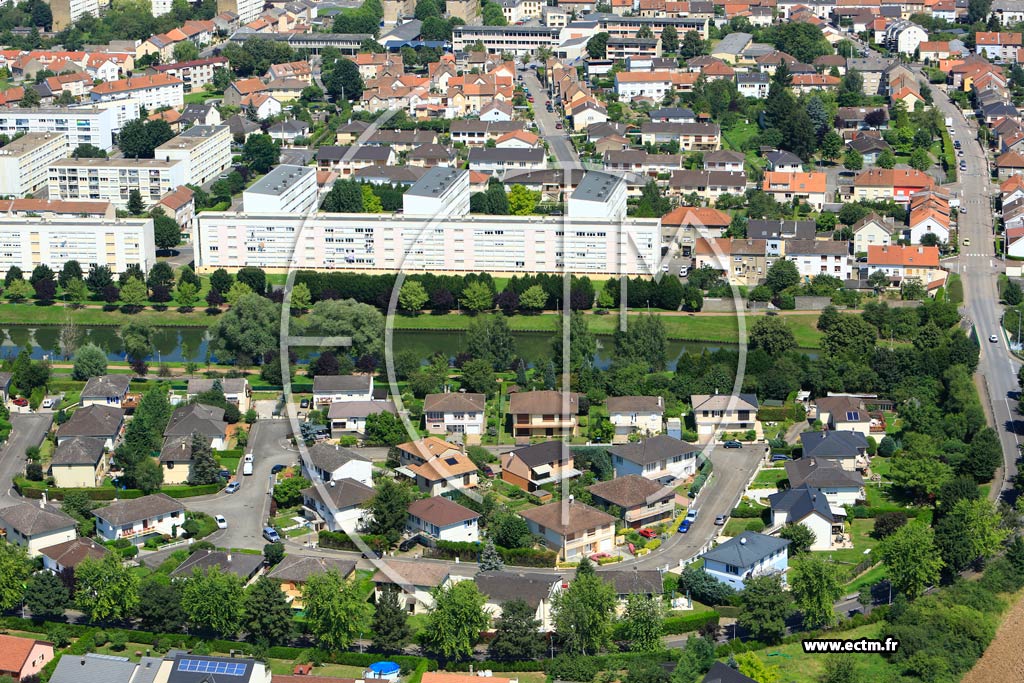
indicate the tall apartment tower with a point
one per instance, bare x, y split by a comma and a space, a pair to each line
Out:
67, 12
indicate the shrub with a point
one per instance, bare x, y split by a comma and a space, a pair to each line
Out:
689, 622
567, 668
99, 638
888, 523
528, 557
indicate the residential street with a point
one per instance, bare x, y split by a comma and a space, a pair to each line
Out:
29, 430
558, 141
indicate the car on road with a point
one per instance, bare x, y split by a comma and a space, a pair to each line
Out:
558, 125
963, 209
664, 268
246, 469
691, 514
372, 555
271, 535
732, 444
647, 533
683, 271
221, 522
684, 526
720, 520
994, 338
21, 402
304, 403
233, 487
966, 242
276, 468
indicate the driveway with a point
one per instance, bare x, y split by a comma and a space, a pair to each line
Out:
297, 156
558, 141
246, 511
29, 430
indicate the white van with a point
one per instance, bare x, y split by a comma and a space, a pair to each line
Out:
248, 457
247, 468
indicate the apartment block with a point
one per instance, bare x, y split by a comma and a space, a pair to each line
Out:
67, 12
286, 189
204, 150
86, 125
247, 10
151, 92
195, 73
113, 180
115, 243
24, 162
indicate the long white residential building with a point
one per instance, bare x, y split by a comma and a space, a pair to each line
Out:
115, 243
113, 180
586, 241
82, 125
25, 162
205, 151
286, 189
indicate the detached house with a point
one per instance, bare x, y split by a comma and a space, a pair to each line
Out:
443, 520
455, 413
573, 530
662, 458
196, 418
902, 263
725, 413
349, 417
531, 467
849, 449
135, 519
64, 557
451, 472
106, 390
23, 658
236, 390
94, 421
635, 415
340, 507
544, 413
415, 581
37, 525
808, 506
840, 485
294, 571
747, 556
79, 462
844, 413
643, 502
334, 388
537, 589
787, 187
332, 462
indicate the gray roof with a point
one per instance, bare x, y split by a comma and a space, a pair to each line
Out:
342, 382
136, 509
239, 125
833, 444
454, 401
686, 179
631, 491
625, 404
507, 585
341, 493
79, 450
542, 453
298, 568
752, 77
149, 667
399, 175
330, 457
800, 501
634, 581
653, 449
93, 668
340, 153
106, 385
230, 385
196, 418
666, 113
781, 156
494, 127
724, 401
724, 156
176, 449
765, 229
183, 676
722, 673
746, 550
32, 519
95, 420
402, 137
243, 565
485, 155
277, 181
733, 43
818, 247
597, 186
295, 126
341, 409
667, 127
434, 183
821, 473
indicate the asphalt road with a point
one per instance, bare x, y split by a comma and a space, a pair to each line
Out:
979, 267
29, 430
558, 142
247, 510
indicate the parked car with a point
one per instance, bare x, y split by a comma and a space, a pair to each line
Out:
684, 526
21, 402
48, 402
304, 403
733, 444
647, 533
276, 468
777, 457
271, 535
691, 514
963, 209
221, 522
720, 520
409, 543
224, 474
233, 487
558, 125
246, 469
966, 242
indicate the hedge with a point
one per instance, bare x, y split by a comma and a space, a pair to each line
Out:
339, 540
449, 550
702, 477
689, 622
605, 662
35, 490
528, 557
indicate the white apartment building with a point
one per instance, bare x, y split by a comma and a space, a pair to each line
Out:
24, 163
247, 10
820, 257
442, 191
152, 92
160, 7
115, 243
518, 40
85, 125
204, 150
124, 111
286, 189
67, 12
113, 180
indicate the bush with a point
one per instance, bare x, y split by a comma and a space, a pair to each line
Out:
568, 668
528, 557
59, 635
449, 550
689, 622
99, 638
755, 525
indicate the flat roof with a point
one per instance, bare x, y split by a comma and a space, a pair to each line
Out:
115, 163
28, 143
436, 181
193, 137
280, 179
68, 111
596, 186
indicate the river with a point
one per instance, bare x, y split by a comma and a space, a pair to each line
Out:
179, 344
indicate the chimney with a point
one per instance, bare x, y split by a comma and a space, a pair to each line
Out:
82, 661
743, 541
42, 501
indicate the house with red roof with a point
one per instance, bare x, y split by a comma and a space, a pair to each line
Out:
23, 658
904, 263
152, 91
897, 184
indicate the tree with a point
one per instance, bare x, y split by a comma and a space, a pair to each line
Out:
137, 340
185, 51
134, 294
841, 670
186, 295
13, 273
969, 532
696, 660
204, 469
336, 610
509, 531
105, 590
984, 455
816, 585
15, 568
522, 201
455, 621
46, 596
71, 270
643, 623
801, 538
920, 159
267, 615
19, 290
669, 40
852, 160
886, 159
384, 429
478, 376
911, 558
831, 145
30, 97
248, 331
477, 297
220, 280
751, 666
213, 600
301, 298
390, 625
412, 297
237, 292
343, 82
166, 231
389, 509
159, 608
515, 636
533, 299
764, 608
888, 523
98, 279
273, 553
288, 492
489, 338
773, 334
782, 275
597, 46
261, 153
583, 613
90, 361
490, 558
362, 323
644, 340
692, 45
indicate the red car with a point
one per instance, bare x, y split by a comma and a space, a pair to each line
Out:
647, 533
20, 402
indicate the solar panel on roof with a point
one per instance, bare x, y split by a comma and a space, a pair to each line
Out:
451, 461
212, 666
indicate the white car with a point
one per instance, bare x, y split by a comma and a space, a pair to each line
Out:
994, 338
221, 522
48, 403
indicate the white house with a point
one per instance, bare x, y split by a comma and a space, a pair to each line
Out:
747, 556
808, 506
455, 413
66, 556
635, 415
537, 589
415, 581
821, 257
662, 458
334, 388
331, 462
154, 515
343, 508
94, 421
840, 486
443, 520
37, 525
349, 417
724, 412
197, 418
236, 390
105, 390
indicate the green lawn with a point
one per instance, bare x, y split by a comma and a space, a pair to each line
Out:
17, 314
282, 667
200, 97
769, 478
862, 540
